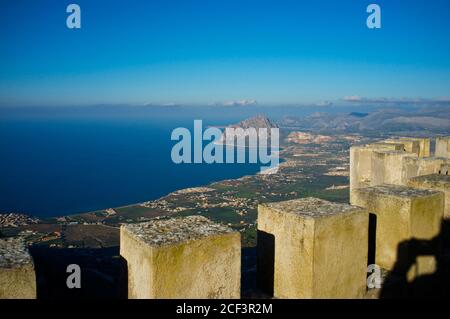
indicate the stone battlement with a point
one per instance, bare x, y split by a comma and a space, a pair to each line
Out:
394, 161
306, 248
443, 147
310, 207
402, 214
14, 253
311, 248
188, 257
17, 276
397, 191
161, 232
436, 182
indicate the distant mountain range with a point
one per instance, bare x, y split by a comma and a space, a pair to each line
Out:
420, 121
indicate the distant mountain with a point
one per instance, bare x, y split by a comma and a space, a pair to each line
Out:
432, 119
256, 122
259, 121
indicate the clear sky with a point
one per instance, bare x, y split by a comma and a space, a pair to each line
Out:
213, 51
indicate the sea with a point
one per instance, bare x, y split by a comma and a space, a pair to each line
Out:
60, 161
63, 160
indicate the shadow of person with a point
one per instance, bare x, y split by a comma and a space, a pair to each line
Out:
411, 276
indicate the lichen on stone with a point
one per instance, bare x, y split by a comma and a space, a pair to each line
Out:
398, 191
14, 253
433, 179
169, 231
311, 207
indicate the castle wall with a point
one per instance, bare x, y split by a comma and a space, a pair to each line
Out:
393, 161
413, 167
402, 213
409, 145
320, 248
416, 145
181, 258
361, 163
17, 275
388, 167
434, 182
442, 147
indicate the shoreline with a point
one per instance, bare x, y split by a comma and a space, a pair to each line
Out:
282, 160
150, 200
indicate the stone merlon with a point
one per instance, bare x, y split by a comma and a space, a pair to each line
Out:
312, 248
402, 213
434, 182
188, 257
17, 275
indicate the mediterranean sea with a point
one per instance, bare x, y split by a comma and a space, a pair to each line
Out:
59, 165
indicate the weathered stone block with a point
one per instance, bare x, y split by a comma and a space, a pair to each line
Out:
387, 146
442, 147
17, 275
360, 166
320, 248
444, 170
388, 167
416, 145
409, 146
425, 146
362, 170
402, 213
189, 257
361, 162
413, 166
434, 182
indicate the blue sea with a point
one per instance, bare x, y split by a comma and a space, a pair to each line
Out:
55, 163
64, 160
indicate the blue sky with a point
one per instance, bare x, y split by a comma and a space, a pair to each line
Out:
213, 51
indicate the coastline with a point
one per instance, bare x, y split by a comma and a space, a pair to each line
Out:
176, 192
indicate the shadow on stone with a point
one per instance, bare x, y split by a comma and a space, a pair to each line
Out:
432, 285
103, 273
372, 239
265, 262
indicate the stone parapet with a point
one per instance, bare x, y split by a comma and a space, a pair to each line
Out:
312, 248
188, 257
17, 275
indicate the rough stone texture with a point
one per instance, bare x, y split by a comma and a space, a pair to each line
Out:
413, 167
402, 213
419, 146
188, 257
17, 276
444, 170
361, 164
320, 248
408, 145
388, 167
425, 146
392, 161
362, 169
386, 146
434, 182
442, 147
